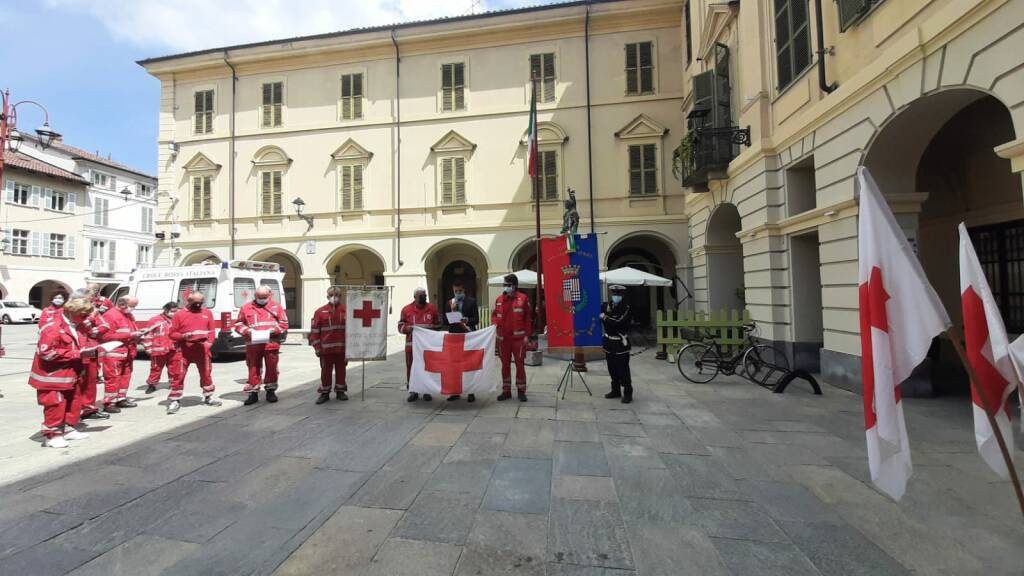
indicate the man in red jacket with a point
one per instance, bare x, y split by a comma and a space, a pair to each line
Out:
193, 332
419, 313
327, 337
160, 348
55, 374
262, 314
102, 303
117, 363
92, 328
513, 320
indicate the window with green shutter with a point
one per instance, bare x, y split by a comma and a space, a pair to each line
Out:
203, 112
453, 87
792, 40
352, 187
542, 67
270, 192
453, 181
202, 197
639, 68
351, 96
273, 102
643, 169
547, 175
852, 11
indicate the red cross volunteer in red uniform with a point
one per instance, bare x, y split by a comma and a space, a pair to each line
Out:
161, 350
117, 363
193, 332
419, 313
54, 309
92, 328
327, 337
513, 318
262, 313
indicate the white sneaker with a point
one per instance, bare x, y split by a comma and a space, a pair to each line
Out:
56, 442
75, 435
173, 407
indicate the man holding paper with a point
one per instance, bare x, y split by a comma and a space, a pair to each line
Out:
192, 331
461, 316
263, 324
118, 361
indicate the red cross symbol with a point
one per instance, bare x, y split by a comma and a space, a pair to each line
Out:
872, 315
367, 313
452, 361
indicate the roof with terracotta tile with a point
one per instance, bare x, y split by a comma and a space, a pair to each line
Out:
23, 162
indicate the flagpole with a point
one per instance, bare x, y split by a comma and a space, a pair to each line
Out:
535, 183
953, 337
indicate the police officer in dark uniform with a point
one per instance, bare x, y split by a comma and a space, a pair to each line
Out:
616, 317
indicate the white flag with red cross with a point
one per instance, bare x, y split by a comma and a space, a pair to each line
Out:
900, 313
450, 364
366, 324
988, 350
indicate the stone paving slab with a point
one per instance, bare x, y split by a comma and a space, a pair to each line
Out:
519, 485
588, 533
344, 545
144, 555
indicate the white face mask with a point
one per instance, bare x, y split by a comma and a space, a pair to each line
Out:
333, 299
170, 313
58, 301
129, 310
510, 289
261, 301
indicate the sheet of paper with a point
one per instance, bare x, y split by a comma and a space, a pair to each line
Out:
110, 346
260, 336
454, 317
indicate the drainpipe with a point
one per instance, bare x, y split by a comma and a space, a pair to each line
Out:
231, 159
590, 148
398, 148
822, 83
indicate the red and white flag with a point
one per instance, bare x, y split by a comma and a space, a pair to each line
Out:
899, 315
366, 321
988, 350
449, 364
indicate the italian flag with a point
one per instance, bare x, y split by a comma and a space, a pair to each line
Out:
531, 132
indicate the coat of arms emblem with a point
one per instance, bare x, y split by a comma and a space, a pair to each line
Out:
574, 297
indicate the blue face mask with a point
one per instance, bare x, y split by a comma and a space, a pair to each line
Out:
616, 299
460, 296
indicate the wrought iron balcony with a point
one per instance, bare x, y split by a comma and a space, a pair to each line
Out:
705, 152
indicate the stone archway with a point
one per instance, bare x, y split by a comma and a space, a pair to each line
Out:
42, 292
724, 255
355, 265
648, 253
446, 256
200, 257
291, 285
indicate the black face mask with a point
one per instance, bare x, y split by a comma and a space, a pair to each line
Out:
421, 299
195, 306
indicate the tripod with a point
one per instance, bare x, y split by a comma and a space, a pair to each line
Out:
567, 377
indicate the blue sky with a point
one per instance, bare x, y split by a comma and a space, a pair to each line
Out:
77, 57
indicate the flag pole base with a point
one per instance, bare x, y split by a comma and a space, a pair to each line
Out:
567, 380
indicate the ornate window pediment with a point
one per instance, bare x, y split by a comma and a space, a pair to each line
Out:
642, 127
547, 133
270, 156
716, 20
351, 150
453, 142
201, 163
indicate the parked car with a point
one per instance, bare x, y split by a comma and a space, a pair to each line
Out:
14, 311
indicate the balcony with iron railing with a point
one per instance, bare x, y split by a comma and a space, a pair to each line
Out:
704, 155
98, 266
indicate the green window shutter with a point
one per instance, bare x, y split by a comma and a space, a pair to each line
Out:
446, 180
632, 72
550, 174
549, 78
850, 12
346, 187
357, 187
207, 184
447, 86
278, 96
346, 97
357, 96
536, 66
783, 50
646, 67
265, 199
268, 103
199, 105
650, 169
721, 113
277, 192
460, 86
792, 39
197, 198
703, 91
635, 171
460, 180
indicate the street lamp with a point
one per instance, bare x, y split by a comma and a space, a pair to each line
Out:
300, 206
10, 138
126, 193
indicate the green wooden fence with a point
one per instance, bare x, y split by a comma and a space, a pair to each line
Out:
676, 328
485, 317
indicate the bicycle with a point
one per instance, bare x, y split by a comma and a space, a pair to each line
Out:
700, 362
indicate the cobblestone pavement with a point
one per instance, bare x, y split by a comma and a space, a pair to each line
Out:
721, 478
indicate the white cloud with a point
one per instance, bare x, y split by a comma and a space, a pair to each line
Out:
182, 25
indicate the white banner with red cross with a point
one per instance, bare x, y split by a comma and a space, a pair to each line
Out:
450, 364
366, 324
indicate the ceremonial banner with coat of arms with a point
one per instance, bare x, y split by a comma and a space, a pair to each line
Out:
572, 290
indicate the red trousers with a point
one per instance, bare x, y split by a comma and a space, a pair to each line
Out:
60, 408
117, 375
334, 363
191, 354
256, 355
510, 349
157, 365
87, 385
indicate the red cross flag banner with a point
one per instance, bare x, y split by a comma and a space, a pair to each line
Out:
900, 313
366, 324
988, 350
449, 364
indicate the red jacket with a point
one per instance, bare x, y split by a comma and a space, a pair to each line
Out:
512, 315
122, 327
94, 327
268, 317
57, 360
190, 329
103, 305
48, 315
158, 339
413, 315
327, 330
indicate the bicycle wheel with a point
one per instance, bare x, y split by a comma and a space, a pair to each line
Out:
698, 363
764, 364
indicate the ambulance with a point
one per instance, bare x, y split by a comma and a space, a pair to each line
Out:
226, 287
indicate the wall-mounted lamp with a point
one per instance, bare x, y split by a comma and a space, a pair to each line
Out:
126, 193
300, 206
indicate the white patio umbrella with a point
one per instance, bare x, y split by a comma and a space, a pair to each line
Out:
627, 276
527, 279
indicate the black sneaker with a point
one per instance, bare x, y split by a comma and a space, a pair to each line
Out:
126, 403
413, 396
271, 396
323, 398
111, 408
96, 416
613, 395
453, 398
427, 397
342, 395
504, 396
150, 388
522, 396
253, 398
471, 398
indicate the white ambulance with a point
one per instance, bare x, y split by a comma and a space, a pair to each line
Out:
227, 286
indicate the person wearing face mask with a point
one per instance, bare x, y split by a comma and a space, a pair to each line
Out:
54, 309
192, 330
117, 363
616, 317
161, 350
92, 328
101, 302
513, 319
419, 313
465, 305
327, 337
262, 313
